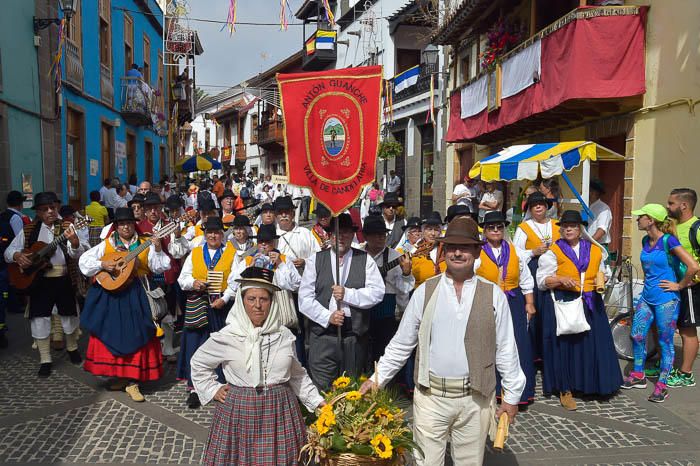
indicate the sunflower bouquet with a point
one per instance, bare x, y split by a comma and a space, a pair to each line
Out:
356, 429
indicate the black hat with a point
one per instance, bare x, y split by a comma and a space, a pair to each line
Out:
241, 221
213, 223
152, 199
44, 198
456, 211
537, 198
413, 222
267, 206
321, 211
66, 211
227, 193
267, 232
391, 199
494, 217
173, 203
433, 219
572, 216
344, 223
284, 203
206, 205
258, 277
597, 185
124, 214
374, 224
15, 198
138, 198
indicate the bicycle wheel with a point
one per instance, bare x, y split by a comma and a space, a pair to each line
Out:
621, 328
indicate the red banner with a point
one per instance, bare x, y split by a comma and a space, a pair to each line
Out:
331, 131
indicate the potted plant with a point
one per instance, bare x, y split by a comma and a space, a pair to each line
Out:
389, 148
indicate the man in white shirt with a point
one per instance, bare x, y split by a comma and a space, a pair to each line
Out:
297, 243
456, 389
105, 187
465, 194
599, 227
394, 224
394, 182
339, 304
491, 200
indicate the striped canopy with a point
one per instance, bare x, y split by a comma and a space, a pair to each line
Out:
526, 161
198, 163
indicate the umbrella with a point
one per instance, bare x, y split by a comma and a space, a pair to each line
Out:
198, 163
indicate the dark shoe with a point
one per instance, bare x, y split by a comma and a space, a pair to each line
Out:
3, 340
75, 357
634, 382
193, 401
45, 369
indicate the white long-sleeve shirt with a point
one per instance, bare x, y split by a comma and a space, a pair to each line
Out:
91, 262
46, 235
186, 280
447, 357
547, 266
298, 243
602, 220
542, 230
281, 367
361, 298
526, 283
395, 282
286, 275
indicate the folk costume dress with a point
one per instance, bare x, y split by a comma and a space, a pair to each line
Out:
424, 267
123, 340
201, 319
504, 267
586, 362
528, 236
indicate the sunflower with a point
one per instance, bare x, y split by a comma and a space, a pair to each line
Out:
362, 378
383, 413
382, 446
325, 421
341, 382
353, 395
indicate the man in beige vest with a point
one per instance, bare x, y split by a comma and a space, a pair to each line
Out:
455, 390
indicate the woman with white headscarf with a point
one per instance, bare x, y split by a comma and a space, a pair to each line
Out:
257, 420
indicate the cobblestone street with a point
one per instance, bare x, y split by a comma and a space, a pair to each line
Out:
71, 419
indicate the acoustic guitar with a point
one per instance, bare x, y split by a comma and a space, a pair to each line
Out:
40, 254
124, 272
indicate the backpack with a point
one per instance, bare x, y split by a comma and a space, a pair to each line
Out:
678, 267
7, 234
694, 228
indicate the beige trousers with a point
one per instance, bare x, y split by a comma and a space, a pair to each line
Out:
463, 421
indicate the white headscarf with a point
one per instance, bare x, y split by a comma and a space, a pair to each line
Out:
240, 325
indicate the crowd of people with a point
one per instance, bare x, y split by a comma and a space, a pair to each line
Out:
219, 278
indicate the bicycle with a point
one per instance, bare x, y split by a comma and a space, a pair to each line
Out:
623, 276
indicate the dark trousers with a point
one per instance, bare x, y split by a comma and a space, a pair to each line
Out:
8, 299
325, 362
381, 331
49, 292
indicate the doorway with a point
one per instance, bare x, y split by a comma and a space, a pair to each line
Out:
75, 172
427, 135
148, 160
106, 150
131, 154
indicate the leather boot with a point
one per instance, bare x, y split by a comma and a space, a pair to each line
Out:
567, 401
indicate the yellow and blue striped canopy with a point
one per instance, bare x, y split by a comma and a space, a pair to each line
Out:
526, 161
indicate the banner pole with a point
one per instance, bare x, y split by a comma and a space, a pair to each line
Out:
341, 355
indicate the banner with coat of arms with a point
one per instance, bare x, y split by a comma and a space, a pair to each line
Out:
331, 131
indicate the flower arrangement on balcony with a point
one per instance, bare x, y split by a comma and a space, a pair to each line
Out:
356, 429
501, 38
389, 148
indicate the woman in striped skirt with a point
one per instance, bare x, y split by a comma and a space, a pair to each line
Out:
257, 420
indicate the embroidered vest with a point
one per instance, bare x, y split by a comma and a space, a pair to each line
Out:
566, 268
142, 265
490, 272
199, 267
534, 241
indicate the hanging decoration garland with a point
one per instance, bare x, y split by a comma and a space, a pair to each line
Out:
56, 65
329, 13
231, 19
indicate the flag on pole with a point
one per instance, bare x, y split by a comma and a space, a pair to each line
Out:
406, 78
331, 131
325, 40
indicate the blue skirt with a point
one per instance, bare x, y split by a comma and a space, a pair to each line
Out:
121, 320
522, 340
534, 328
193, 338
585, 363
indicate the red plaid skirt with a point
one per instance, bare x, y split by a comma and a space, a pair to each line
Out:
143, 365
256, 427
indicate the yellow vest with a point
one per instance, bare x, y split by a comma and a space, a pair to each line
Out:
249, 260
566, 268
489, 270
534, 241
142, 265
423, 268
199, 267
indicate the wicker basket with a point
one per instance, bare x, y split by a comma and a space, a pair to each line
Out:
351, 459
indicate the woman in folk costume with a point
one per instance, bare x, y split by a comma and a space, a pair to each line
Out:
204, 278
427, 260
532, 238
195, 233
123, 342
241, 237
501, 264
584, 362
323, 222
257, 420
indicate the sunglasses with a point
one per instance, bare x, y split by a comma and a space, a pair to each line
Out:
495, 227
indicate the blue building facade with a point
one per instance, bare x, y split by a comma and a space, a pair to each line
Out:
113, 127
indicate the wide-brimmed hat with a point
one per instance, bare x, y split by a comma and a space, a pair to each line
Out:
283, 203
321, 211
152, 199
572, 216
258, 277
413, 222
433, 219
537, 198
213, 223
391, 199
15, 198
455, 211
462, 230
138, 198
241, 221
597, 185
266, 206
344, 223
374, 224
44, 198
267, 232
173, 203
654, 211
494, 217
227, 193
206, 205
66, 211
124, 214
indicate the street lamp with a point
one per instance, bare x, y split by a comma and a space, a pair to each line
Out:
67, 6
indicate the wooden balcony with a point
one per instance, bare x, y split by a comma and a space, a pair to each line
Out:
270, 135
138, 100
74, 65
320, 51
241, 152
421, 86
106, 86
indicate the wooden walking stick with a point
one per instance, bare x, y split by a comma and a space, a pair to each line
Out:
341, 351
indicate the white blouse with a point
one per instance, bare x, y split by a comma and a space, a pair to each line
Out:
91, 262
548, 266
280, 365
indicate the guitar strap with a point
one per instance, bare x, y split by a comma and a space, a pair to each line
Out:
385, 261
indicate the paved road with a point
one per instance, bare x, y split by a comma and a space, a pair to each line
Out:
71, 419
